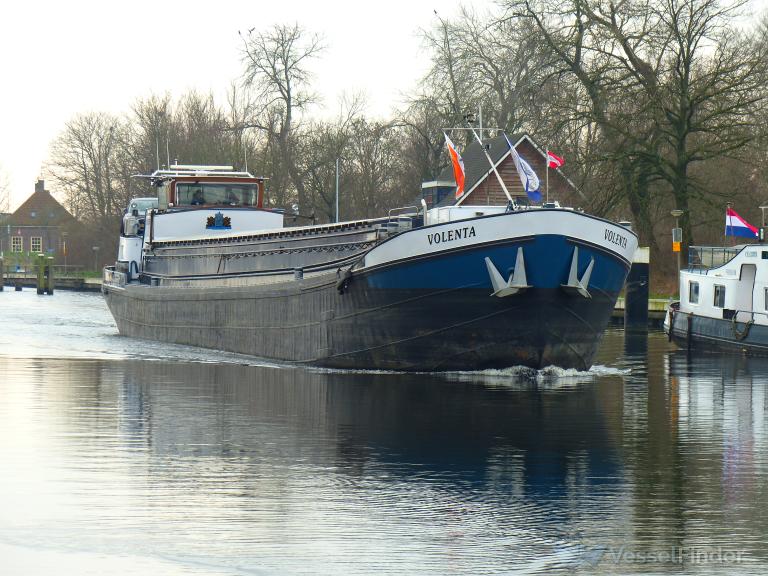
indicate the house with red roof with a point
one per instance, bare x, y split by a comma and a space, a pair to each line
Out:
40, 225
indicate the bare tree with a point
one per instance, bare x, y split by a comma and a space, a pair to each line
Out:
374, 154
485, 61
277, 73
86, 163
667, 83
5, 192
322, 144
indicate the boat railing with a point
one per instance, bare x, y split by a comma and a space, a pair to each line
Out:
401, 219
114, 277
403, 210
703, 258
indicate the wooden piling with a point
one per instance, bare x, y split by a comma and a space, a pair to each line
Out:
45, 278
40, 266
51, 279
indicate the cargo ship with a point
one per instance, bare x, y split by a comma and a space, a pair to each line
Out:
204, 262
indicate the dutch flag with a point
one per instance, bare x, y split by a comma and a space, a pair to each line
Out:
735, 225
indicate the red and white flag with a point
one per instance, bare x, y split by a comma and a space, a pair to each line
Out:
554, 161
458, 166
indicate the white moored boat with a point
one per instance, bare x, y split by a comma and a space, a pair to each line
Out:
723, 299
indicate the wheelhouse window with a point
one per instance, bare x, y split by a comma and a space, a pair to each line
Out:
693, 292
36, 244
216, 194
765, 295
719, 300
17, 244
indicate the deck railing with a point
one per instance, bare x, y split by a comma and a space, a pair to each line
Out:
705, 257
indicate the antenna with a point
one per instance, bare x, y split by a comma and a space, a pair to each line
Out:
245, 151
157, 151
167, 149
480, 119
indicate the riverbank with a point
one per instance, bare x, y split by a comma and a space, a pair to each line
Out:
61, 283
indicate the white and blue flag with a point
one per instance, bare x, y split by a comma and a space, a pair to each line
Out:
528, 177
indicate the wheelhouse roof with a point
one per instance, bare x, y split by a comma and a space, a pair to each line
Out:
202, 172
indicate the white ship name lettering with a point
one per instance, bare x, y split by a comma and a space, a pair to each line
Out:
615, 238
451, 235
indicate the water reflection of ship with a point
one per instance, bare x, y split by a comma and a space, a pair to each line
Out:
705, 421
408, 424
728, 388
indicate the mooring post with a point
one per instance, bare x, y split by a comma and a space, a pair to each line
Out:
2, 274
636, 292
51, 280
40, 263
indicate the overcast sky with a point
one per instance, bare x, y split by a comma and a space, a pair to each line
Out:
60, 58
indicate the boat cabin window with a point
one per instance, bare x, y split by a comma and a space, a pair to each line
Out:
719, 296
216, 194
693, 292
765, 292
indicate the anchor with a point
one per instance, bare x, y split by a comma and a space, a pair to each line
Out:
574, 284
517, 281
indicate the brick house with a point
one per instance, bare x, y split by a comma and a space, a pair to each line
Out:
40, 224
482, 188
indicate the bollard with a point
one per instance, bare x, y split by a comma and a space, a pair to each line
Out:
40, 263
2, 275
636, 292
51, 280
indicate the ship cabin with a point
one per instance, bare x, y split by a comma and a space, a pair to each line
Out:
200, 187
205, 201
193, 203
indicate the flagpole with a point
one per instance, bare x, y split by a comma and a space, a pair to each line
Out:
493, 166
546, 177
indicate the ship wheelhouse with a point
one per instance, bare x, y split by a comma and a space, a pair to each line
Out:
190, 187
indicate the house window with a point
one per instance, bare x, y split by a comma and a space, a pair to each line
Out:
693, 292
17, 244
719, 296
36, 244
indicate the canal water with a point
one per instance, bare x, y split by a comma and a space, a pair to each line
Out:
127, 457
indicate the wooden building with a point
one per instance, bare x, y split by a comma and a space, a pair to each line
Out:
481, 186
40, 225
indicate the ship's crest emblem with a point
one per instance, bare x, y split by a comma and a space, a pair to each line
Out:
219, 222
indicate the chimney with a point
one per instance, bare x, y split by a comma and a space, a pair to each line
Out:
40, 186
